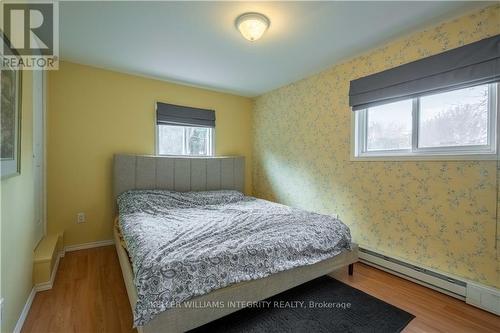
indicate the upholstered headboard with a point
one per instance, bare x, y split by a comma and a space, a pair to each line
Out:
178, 173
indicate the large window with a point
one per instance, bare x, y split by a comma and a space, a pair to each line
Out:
456, 123
185, 140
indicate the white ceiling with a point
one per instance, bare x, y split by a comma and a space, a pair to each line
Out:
196, 43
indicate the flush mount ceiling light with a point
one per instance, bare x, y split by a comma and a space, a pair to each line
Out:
252, 25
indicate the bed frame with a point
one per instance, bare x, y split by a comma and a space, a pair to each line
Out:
198, 174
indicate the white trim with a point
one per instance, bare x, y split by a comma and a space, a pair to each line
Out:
48, 285
90, 245
157, 141
41, 197
212, 139
427, 157
157, 144
415, 275
211, 143
486, 298
489, 151
25, 311
1, 311
473, 293
415, 118
44, 149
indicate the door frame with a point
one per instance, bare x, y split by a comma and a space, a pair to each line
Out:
43, 150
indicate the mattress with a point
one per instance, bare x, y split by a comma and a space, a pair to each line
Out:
184, 245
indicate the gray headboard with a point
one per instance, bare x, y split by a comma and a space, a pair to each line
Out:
178, 173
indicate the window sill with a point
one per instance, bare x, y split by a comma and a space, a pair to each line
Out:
185, 156
429, 157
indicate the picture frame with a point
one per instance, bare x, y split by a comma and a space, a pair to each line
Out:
10, 119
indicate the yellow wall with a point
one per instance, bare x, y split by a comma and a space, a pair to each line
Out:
438, 214
17, 222
95, 113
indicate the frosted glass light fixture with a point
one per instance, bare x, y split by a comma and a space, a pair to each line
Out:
252, 25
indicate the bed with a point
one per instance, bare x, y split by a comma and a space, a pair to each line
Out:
183, 219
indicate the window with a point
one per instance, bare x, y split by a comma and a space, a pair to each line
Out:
184, 130
454, 123
389, 126
185, 140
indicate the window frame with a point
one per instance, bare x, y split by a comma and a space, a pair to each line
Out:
469, 152
211, 143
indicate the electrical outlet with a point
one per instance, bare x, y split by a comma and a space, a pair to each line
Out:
80, 218
335, 216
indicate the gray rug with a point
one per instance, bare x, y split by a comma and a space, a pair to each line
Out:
328, 306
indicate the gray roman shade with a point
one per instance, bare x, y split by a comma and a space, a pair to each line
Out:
465, 66
170, 114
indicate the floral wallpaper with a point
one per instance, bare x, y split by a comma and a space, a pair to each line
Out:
439, 214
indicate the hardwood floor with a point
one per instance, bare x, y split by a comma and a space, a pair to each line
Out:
89, 296
434, 311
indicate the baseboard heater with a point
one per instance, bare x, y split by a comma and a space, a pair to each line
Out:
481, 296
428, 278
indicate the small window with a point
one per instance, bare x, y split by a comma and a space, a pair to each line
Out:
455, 124
184, 130
185, 140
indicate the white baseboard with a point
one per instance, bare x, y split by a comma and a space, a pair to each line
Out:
90, 245
473, 293
433, 279
48, 285
483, 297
24, 313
